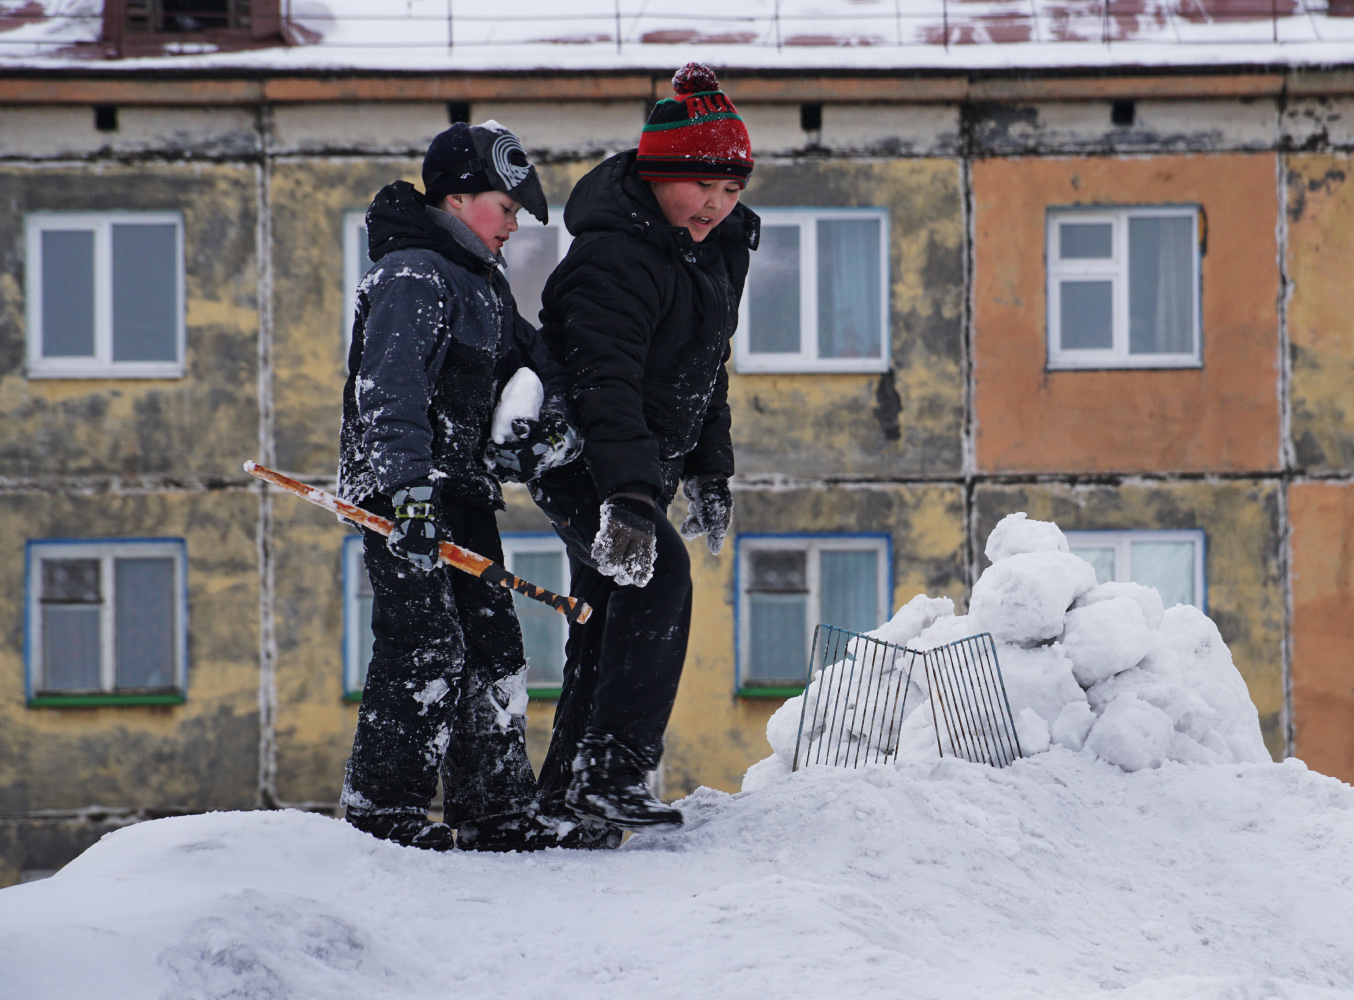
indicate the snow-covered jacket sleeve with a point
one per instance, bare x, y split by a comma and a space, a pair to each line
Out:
406, 339
609, 314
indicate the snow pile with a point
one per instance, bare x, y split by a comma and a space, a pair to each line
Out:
518, 404
1060, 877
1099, 667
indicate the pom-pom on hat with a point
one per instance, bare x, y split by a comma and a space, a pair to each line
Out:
697, 135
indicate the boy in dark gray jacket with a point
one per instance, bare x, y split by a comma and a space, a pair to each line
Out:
436, 335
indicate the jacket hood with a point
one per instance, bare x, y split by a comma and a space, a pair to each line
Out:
612, 197
398, 220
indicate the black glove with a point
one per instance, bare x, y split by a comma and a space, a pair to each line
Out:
415, 536
626, 543
710, 510
542, 444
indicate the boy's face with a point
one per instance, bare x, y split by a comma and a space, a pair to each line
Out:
698, 206
491, 215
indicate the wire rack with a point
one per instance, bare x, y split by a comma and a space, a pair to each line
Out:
856, 693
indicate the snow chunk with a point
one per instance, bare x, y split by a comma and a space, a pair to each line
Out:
1032, 731
913, 618
1147, 597
1132, 734
1015, 534
1069, 729
520, 400
1105, 638
1022, 599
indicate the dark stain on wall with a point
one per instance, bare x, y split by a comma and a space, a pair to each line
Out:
887, 405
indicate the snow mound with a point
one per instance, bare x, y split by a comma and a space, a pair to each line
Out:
1103, 669
1059, 877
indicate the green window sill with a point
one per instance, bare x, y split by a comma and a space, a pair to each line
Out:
111, 698
772, 691
538, 694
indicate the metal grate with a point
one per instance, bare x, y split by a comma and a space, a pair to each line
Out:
856, 691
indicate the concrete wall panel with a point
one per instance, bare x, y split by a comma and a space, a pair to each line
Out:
1241, 525
1322, 575
203, 424
177, 133
1221, 417
199, 755
1320, 322
386, 129
908, 421
566, 130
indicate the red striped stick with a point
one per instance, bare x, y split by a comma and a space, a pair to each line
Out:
463, 559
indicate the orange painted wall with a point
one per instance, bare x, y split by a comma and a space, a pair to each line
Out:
1222, 417
1322, 517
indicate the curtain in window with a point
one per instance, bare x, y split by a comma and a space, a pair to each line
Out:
145, 623
773, 293
1161, 284
531, 255
849, 582
849, 320
542, 627
1101, 558
145, 292
72, 604
1167, 566
68, 293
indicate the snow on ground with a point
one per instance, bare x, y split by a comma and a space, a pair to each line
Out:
1060, 877
1085, 870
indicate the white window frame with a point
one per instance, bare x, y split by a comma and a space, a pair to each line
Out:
1115, 269
812, 545
106, 551
807, 359
101, 364
533, 542
354, 228
1122, 540
353, 568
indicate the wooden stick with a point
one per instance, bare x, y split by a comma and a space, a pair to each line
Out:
463, 559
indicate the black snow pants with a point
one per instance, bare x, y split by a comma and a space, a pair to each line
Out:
622, 667
446, 685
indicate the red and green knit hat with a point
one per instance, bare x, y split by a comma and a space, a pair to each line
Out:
698, 135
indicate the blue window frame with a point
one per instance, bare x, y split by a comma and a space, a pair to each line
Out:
106, 621
787, 584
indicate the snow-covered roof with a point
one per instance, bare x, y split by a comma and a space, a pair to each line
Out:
924, 35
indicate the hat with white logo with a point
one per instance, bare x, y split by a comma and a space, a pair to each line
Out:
467, 159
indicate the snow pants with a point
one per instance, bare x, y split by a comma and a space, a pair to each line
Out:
622, 667
445, 690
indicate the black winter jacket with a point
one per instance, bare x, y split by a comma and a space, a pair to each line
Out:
641, 317
435, 336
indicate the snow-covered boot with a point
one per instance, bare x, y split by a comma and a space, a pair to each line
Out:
406, 829
609, 785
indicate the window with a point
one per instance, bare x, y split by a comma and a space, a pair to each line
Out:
540, 558
1170, 561
105, 295
532, 254
107, 622
536, 557
787, 584
357, 637
1123, 288
356, 264
817, 293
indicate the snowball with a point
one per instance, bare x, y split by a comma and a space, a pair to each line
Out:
913, 618
1132, 734
1105, 638
1069, 729
521, 399
1032, 731
1015, 534
1147, 597
1023, 598
1039, 679
945, 631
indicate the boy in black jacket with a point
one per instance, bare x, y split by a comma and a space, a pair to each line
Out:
641, 313
435, 337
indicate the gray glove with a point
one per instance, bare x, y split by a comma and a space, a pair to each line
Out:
710, 510
415, 536
626, 543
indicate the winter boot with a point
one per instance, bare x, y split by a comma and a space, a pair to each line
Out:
405, 829
609, 785
535, 831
